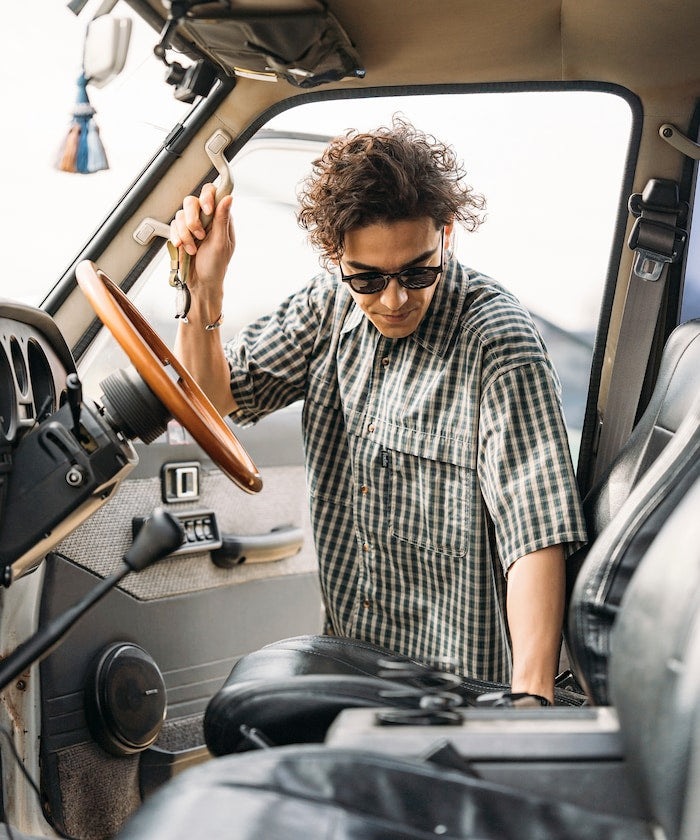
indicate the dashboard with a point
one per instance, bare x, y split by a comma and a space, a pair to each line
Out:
60, 458
34, 364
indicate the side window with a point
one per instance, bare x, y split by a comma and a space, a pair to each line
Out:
550, 165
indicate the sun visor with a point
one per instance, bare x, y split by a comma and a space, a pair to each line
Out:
301, 42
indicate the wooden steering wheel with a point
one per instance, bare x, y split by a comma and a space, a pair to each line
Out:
180, 394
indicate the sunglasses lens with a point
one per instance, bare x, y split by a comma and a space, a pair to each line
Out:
418, 278
372, 282
368, 284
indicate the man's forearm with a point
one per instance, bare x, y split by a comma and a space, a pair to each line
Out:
201, 352
535, 606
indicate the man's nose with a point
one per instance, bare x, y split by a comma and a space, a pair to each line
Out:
394, 296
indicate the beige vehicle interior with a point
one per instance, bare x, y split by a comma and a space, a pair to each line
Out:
187, 623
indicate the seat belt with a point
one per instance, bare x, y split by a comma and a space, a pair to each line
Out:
657, 240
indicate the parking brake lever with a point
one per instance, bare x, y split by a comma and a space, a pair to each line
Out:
160, 535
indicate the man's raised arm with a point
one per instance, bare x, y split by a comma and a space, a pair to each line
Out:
198, 348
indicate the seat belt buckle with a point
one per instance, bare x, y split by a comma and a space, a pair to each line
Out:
648, 265
650, 262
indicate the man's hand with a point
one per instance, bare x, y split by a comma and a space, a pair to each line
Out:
211, 250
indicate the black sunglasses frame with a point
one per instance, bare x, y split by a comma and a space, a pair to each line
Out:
403, 277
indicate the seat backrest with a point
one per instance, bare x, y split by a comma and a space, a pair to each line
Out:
615, 555
655, 672
674, 392
658, 455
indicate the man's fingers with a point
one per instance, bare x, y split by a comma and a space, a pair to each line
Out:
192, 208
186, 229
180, 233
222, 217
207, 198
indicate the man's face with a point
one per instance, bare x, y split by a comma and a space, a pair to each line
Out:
386, 248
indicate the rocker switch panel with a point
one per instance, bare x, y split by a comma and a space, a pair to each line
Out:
201, 531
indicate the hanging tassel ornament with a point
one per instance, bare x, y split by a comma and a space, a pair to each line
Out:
83, 151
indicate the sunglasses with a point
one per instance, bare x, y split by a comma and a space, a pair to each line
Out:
417, 277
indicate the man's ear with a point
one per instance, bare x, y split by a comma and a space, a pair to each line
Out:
449, 236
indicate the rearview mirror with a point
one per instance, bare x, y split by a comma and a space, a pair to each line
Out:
106, 46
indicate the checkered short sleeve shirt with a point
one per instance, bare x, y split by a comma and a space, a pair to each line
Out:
433, 461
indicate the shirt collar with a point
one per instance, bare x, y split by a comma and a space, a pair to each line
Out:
435, 331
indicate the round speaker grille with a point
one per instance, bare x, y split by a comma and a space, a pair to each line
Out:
125, 699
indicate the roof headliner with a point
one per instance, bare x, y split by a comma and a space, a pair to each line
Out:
648, 47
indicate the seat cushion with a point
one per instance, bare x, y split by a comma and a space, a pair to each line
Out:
308, 792
291, 691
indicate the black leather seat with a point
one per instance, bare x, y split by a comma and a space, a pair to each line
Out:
290, 691
612, 561
309, 791
596, 584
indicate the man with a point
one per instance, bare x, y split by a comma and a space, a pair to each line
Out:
442, 494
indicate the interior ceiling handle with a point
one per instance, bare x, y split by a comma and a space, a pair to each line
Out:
214, 147
679, 141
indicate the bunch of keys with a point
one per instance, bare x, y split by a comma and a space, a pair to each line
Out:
178, 279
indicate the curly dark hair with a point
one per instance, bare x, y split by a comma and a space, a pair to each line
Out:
386, 175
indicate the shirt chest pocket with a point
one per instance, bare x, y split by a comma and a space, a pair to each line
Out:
431, 496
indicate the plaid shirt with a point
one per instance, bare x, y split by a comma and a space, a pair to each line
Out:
433, 461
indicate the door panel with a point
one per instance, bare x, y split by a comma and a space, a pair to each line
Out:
194, 618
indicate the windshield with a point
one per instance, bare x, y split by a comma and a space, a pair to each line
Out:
51, 211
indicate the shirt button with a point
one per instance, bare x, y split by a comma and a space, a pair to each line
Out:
366, 547
364, 489
385, 361
366, 604
370, 428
